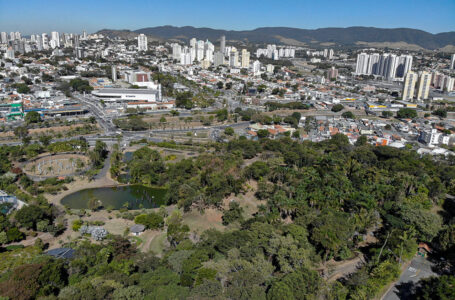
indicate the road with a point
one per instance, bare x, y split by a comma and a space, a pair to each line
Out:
418, 269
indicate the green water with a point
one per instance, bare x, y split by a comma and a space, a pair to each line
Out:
137, 196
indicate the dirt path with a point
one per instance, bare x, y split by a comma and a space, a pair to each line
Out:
81, 183
147, 237
344, 268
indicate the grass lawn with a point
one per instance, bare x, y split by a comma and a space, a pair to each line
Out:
157, 244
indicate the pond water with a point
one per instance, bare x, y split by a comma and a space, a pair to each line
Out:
135, 196
127, 156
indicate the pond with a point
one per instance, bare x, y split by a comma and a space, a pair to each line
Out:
127, 157
134, 196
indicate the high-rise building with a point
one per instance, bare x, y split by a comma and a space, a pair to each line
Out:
362, 64
84, 35
332, 73
17, 35
245, 59
185, 57
114, 73
39, 42
257, 67
452, 62
193, 42
12, 36
223, 44
386, 65
55, 36
176, 51
142, 42
233, 58
218, 59
45, 41
9, 53
448, 84
4, 37
423, 86
200, 46
330, 54
409, 86
373, 64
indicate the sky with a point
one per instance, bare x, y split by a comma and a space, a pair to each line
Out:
36, 16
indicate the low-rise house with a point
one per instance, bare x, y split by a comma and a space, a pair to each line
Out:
137, 229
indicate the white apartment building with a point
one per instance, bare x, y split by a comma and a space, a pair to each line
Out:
142, 42
424, 85
409, 86
245, 59
56, 38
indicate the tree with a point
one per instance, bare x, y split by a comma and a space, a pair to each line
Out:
407, 113
183, 99
22, 133
45, 140
22, 88
362, 140
220, 85
442, 113
29, 215
387, 114
262, 133
348, 115
150, 221
300, 284
436, 288
337, 107
229, 131
176, 231
32, 117
233, 214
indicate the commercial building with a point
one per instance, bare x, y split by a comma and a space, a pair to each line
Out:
123, 96
452, 62
409, 86
142, 42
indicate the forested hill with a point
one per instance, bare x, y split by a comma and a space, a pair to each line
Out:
319, 203
349, 36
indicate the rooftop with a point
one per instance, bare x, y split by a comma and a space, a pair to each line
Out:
126, 91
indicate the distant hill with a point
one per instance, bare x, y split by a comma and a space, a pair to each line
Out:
350, 36
123, 34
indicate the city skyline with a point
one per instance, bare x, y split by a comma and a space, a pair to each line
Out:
94, 16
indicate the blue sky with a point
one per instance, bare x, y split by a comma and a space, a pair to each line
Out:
34, 16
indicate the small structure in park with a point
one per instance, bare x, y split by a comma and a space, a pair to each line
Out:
424, 249
97, 232
9, 203
63, 253
137, 229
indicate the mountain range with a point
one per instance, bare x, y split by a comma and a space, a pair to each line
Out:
351, 36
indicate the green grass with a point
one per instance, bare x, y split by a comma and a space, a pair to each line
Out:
138, 240
157, 244
14, 258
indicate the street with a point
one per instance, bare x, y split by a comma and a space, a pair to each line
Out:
419, 268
